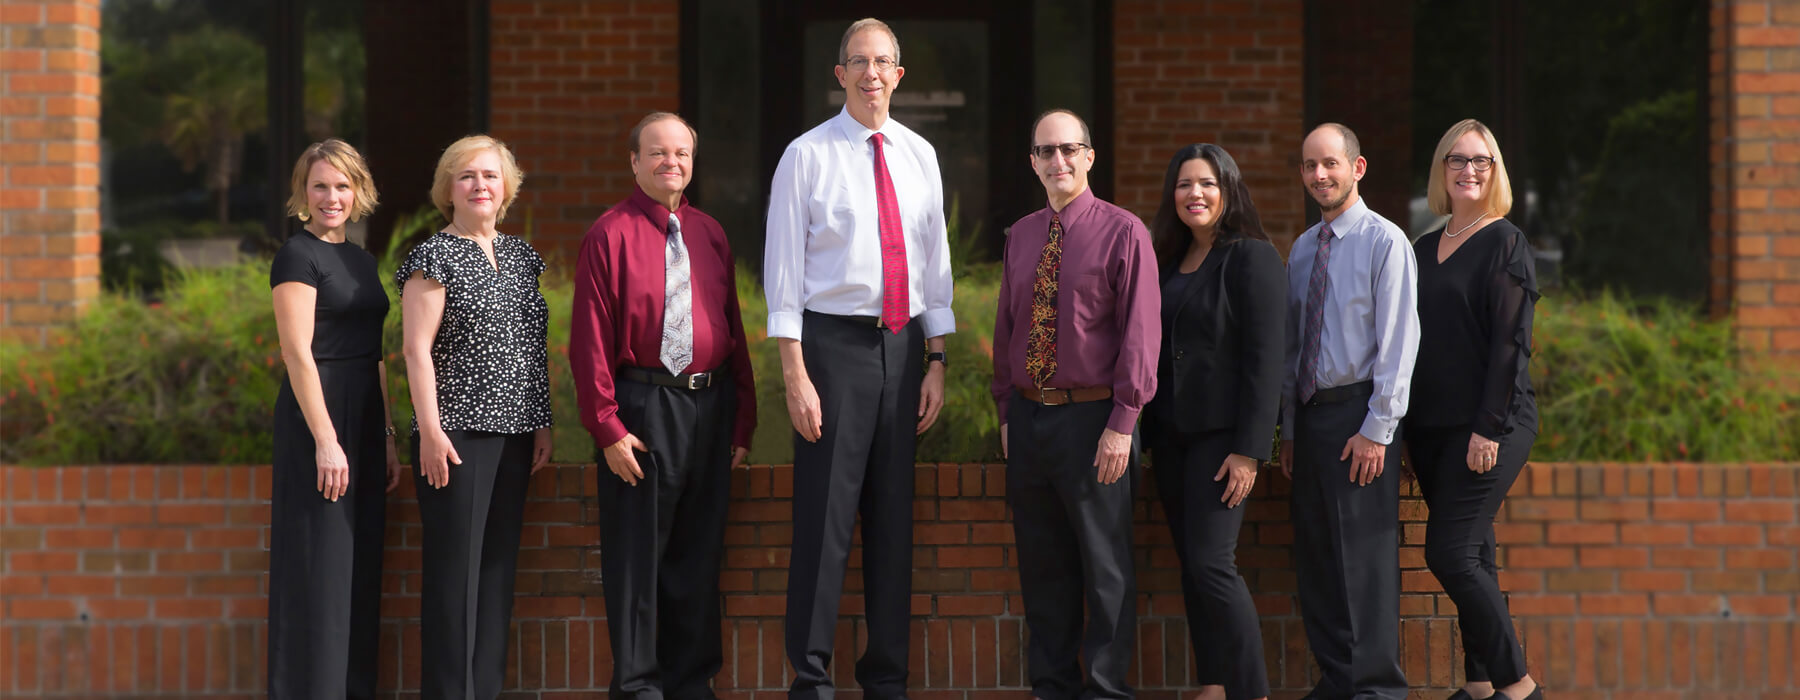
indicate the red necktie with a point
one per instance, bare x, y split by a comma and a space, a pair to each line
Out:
895, 306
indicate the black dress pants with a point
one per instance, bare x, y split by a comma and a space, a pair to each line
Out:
1222, 622
470, 543
660, 541
1459, 542
868, 381
1347, 555
1074, 542
325, 557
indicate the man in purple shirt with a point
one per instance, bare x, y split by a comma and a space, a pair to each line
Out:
1075, 350
662, 378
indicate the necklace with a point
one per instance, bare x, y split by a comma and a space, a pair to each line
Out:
1465, 228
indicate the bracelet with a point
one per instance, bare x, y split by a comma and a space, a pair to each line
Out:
390, 431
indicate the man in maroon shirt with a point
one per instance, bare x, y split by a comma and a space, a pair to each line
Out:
1075, 350
662, 376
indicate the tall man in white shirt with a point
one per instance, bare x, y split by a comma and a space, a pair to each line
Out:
1353, 331
857, 273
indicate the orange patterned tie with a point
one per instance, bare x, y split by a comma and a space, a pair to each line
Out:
1040, 345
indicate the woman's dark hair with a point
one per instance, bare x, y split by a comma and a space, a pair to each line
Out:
1171, 236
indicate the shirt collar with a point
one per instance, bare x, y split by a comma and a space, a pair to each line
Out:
1350, 219
1077, 206
859, 134
654, 209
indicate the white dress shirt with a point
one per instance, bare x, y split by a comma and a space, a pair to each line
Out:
823, 249
1371, 326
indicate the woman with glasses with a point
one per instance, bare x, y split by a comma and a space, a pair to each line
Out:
1212, 422
1473, 416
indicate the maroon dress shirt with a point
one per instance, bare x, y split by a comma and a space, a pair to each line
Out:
618, 315
1108, 306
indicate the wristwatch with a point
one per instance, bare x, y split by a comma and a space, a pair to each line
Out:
938, 357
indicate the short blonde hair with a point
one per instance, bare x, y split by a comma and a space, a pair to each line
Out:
459, 154
1499, 195
858, 27
343, 157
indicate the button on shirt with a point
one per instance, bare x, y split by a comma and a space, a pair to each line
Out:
618, 310
1371, 317
823, 250
1108, 306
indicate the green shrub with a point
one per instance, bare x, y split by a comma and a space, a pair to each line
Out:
192, 380
1620, 381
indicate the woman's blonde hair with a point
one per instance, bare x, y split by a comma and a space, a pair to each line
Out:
346, 160
459, 154
1499, 195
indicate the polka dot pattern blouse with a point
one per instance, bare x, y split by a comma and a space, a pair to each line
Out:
490, 353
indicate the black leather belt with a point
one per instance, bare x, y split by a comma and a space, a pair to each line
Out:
1339, 394
691, 382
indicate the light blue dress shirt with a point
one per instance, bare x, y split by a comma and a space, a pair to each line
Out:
1371, 326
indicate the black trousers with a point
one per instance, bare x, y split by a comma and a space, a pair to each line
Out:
1459, 542
1347, 555
1222, 622
1074, 541
868, 381
470, 543
325, 557
660, 541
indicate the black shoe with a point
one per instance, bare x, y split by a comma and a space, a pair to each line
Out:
1460, 694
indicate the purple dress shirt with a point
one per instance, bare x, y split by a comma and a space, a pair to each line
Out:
1108, 306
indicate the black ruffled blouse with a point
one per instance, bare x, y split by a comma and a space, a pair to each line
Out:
1475, 312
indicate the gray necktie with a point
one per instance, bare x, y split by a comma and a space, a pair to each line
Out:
678, 303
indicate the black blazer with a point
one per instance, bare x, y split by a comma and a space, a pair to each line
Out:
1222, 355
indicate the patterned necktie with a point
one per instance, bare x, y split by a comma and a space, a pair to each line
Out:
1040, 345
1315, 316
896, 308
678, 303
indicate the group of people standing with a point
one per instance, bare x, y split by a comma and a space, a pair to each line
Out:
1187, 337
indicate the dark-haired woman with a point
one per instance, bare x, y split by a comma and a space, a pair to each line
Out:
1474, 415
1213, 418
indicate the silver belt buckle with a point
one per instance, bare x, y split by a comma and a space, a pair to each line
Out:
693, 381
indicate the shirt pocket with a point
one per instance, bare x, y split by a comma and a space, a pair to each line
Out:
1090, 299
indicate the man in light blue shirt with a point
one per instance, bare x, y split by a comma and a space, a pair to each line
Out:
1354, 332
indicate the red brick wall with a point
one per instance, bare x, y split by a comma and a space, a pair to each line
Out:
569, 78
1756, 171
49, 164
1669, 580
1225, 72
1367, 85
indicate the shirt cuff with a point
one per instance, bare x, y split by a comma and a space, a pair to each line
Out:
784, 324
608, 432
937, 322
1379, 430
1123, 420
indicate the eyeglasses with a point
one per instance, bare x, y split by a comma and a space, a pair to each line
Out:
883, 64
1069, 150
1481, 163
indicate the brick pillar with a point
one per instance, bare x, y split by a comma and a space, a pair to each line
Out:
569, 78
50, 159
1756, 172
1228, 73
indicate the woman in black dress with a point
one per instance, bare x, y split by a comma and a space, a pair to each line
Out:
1212, 422
478, 366
1473, 415
332, 439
